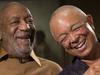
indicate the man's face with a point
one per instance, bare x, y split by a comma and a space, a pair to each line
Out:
73, 33
17, 30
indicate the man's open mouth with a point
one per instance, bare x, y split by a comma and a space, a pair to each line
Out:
23, 36
80, 46
23, 39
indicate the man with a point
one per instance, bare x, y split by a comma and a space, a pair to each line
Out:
74, 30
16, 55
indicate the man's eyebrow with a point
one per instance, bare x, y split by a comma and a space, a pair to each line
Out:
13, 17
76, 25
73, 25
61, 35
67, 33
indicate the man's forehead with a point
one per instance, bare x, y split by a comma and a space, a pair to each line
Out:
67, 18
64, 22
17, 11
13, 6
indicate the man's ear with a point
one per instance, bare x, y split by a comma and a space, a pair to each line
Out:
90, 21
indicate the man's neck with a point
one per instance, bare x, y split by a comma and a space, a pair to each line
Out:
93, 56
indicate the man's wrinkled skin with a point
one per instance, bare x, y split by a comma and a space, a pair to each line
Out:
74, 30
17, 35
17, 30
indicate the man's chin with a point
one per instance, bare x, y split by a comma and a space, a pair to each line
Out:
20, 55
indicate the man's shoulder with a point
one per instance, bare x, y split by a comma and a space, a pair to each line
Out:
78, 67
49, 63
47, 67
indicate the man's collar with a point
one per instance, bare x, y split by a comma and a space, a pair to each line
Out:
3, 53
33, 55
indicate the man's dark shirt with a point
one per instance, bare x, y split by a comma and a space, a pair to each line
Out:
77, 68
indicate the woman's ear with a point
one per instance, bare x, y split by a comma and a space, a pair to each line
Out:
90, 21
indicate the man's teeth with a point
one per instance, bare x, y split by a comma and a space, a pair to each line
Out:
80, 45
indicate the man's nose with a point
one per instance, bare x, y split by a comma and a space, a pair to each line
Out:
73, 38
24, 26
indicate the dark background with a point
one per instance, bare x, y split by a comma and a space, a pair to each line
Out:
42, 10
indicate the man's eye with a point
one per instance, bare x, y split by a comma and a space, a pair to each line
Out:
62, 39
15, 22
30, 22
76, 29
